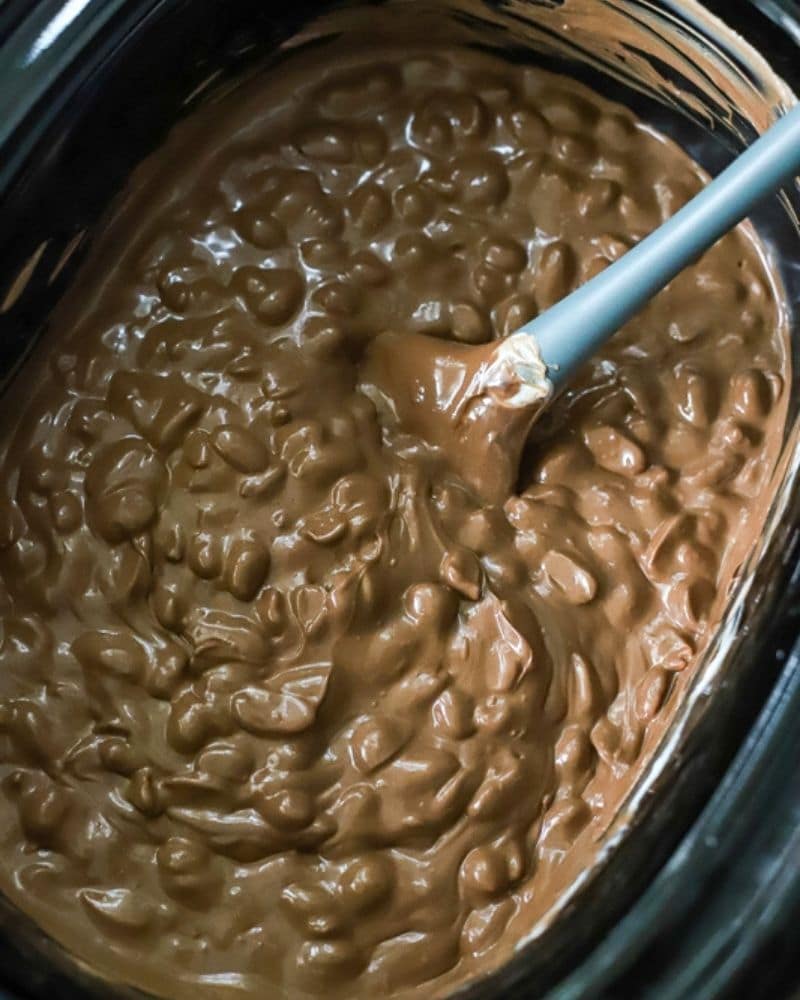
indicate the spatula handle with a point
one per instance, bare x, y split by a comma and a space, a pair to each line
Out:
575, 328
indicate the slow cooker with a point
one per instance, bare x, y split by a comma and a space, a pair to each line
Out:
697, 893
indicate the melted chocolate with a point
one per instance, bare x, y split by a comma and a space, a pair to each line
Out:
286, 706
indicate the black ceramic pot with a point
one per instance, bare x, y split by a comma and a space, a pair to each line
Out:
700, 897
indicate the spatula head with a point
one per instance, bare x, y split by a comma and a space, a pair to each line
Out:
475, 404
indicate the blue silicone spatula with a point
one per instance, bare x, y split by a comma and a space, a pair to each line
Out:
477, 403
575, 328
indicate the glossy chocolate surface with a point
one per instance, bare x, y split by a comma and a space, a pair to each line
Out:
286, 706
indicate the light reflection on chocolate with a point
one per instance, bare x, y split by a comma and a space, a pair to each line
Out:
285, 705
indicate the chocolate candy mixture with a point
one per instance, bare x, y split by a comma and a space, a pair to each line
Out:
284, 705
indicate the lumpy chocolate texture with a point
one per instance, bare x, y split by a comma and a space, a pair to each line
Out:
284, 706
